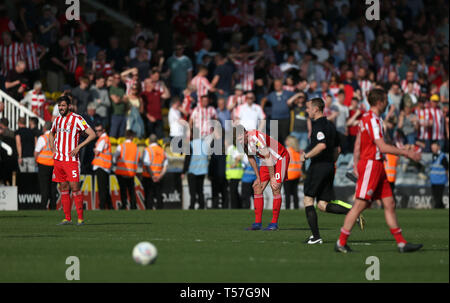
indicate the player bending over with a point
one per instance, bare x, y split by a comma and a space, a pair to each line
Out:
273, 169
372, 182
64, 138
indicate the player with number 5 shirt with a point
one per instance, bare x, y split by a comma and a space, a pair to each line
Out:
64, 140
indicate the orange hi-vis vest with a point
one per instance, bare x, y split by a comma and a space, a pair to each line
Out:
157, 157
104, 158
45, 156
390, 166
295, 166
127, 163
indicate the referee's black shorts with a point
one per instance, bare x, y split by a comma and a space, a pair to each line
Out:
319, 181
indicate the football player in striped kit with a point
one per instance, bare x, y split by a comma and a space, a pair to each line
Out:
64, 142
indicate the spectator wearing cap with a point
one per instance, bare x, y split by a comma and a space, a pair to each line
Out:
437, 121
300, 121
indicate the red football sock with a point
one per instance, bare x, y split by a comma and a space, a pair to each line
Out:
343, 237
397, 233
66, 205
78, 199
258, 201
276, 208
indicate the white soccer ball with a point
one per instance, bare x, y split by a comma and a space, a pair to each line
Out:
145, 253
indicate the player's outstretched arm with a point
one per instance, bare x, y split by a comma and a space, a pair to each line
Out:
390, 149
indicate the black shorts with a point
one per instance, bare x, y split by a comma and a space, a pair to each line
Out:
319, 181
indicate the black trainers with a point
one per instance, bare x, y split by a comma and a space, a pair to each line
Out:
313, 240
409, 247
343, 249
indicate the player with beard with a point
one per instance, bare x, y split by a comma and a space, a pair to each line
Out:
64, 142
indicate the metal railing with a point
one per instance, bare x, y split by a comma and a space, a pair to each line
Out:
14, 110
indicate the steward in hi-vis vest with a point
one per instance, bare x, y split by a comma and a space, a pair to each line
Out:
126, 158
101, 166
154, 166
44, 158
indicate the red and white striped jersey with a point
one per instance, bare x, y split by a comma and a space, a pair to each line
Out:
258, 140
424, 116
201, 117
416, 87
103, 67
334, 90
67, 134
383, 72
30, 52
129, 82
9, 55
246, 71
202, 85
437, 130
72, 52
186, 106
366, 85
371, 129
37, 102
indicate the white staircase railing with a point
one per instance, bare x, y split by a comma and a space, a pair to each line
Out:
14, 110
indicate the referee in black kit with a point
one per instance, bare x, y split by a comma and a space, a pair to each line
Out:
323, 151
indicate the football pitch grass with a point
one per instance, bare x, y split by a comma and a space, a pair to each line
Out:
212, 246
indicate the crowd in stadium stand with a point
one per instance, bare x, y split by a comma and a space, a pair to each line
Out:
225, 60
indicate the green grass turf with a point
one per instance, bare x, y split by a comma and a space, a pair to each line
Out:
212, 246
